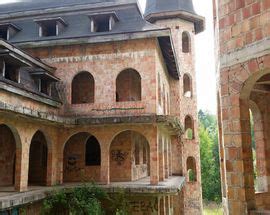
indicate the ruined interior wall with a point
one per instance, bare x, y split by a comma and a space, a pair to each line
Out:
75, 169
7, 156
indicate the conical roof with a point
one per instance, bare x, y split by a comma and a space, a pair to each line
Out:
164, 9
157, 6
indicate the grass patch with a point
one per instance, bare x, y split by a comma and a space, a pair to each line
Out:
212, 209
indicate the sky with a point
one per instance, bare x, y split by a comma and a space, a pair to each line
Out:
204, 47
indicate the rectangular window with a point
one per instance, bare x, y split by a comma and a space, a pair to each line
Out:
51, 26
103, 22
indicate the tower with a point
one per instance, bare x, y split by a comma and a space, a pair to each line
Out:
180, 17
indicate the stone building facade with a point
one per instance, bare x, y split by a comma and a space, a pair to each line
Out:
242, 29
95, 90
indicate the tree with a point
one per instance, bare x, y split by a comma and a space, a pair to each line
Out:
210, 168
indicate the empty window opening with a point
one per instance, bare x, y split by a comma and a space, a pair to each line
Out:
187, 86
185, 42
103, 22
4, 32
11, 72
83, 88
51, 26
128, 86
189, 130
191, 170
92, 152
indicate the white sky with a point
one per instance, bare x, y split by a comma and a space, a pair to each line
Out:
205, 66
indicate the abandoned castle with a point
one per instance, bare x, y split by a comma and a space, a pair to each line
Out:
95, 89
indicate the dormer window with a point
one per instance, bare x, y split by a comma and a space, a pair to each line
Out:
51, 26
103, 22
43, 81
10, 66
8, 30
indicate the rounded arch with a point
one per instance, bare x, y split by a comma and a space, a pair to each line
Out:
129, 156
10, 145
128, 86
189, 127
187, 85
191, 169
38, 159
83, 88
186, 42
81, 158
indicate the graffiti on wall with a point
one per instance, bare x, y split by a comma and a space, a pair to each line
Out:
119, 156
72, 163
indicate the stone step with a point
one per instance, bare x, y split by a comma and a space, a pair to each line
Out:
260, 212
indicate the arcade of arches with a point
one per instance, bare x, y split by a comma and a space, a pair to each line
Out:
50, 155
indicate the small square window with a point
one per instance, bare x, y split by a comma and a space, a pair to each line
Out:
103, 22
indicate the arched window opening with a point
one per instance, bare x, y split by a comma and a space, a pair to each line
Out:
128, 86
253, 150
7, 156
186, 42
191, 169
92, 152
187, 86
38, 156
83, 88
189, 128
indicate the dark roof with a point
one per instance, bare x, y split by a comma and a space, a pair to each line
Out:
157, 6
161, 9
28, 5
130, 22
78, 25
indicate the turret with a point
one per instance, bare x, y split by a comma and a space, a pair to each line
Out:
160, 9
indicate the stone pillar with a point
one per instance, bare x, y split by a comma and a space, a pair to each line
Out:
154, 161
49, 180
161, 159
105, 164
167, 158
170, 157
162, 206
22, 165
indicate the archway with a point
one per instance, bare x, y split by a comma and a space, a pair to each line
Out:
191, 169
128, 86
186, 46
255, 124
187, 84
82, 158
83, 88
129, 157
38, 160
7, 156
189, 128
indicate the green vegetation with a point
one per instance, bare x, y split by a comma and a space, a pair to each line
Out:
85, 200
210, 168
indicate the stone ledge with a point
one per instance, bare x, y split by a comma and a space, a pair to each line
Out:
171, 186
170, 122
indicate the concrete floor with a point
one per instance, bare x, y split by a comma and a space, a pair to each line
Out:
9, 197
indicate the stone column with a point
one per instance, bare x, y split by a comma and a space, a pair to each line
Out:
167, 155
154, 160
105, 164
161, 159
